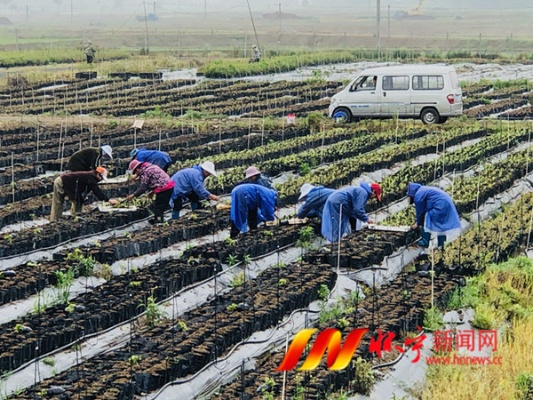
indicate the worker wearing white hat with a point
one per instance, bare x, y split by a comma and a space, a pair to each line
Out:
189, 182
314, 197
90, 158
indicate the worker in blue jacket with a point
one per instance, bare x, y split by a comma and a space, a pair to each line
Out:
189, 182
251, 204
154, 157
315, 197
435, 213
352, 201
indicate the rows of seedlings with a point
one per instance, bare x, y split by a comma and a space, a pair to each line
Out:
400, 148
397, 308
394, 186
321, 147
486, 110
342, 172
149, 373
149, 240
153, 378
470, 191
230, 99
166, 349
57, 324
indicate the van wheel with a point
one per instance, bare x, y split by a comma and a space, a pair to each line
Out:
342, 115
429, 116
442, 120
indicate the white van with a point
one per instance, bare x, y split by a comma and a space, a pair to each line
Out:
429, 92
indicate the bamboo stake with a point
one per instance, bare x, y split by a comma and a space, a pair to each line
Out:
38, 134
284, 372
339, 247
12, 177
432, 277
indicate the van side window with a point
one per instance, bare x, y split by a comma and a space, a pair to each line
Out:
395, 82
428, 82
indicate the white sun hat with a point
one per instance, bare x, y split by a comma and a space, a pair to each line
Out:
209, 167
304, 191
107, 150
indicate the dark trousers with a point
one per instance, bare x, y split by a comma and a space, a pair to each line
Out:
178, 204
252, 224
425, 238
89, 59
160, 204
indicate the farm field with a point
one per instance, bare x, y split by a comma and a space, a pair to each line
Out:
107, 306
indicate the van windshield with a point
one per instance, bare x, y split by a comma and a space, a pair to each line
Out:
364, 83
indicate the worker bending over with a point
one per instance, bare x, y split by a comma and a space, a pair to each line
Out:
154, 157
156, 180
90, 158
189, 182
76, 186
314, 197
352, 201
435, 213
250, 205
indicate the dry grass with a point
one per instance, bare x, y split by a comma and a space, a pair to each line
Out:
495, 382
506, 297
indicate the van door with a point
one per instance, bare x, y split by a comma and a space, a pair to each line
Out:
363, 98
428, 90
395, 96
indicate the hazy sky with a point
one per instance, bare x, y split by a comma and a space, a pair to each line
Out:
79, 6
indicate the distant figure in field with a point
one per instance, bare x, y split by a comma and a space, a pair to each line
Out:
257, 54
89, 52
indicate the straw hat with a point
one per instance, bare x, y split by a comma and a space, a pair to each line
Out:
209, 167
304, 191
134, 164
252, 171
107, 150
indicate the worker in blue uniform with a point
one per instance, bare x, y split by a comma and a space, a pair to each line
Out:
189, 183
250, 205
351, 200
154, 157
435, 213
314, 197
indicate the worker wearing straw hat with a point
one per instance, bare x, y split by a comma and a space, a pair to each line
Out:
253, 175
157, 181
314, 198
346, 203
90, 158
189, 183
